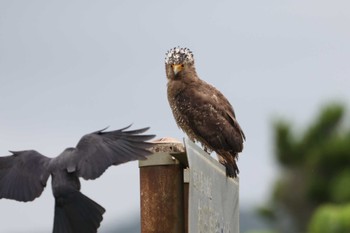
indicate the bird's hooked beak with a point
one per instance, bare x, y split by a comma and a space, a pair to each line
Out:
177, 68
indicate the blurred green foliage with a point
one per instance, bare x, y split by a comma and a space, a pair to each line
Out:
315, 168
331, 219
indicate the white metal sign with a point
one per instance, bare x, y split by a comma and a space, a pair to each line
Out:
213, 197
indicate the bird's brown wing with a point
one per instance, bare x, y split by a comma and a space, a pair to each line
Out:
23, 175
211, 118
97, 151
227, 108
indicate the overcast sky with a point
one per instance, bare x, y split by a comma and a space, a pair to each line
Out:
68, 68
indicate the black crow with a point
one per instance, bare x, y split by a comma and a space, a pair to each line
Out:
23, 175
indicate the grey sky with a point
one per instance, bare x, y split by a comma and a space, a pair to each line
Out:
68, 68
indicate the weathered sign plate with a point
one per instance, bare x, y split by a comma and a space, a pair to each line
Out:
213, 198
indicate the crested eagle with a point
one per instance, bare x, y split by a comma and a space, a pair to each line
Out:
202, 111
23, 175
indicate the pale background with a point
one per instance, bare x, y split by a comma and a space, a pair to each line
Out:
68, 68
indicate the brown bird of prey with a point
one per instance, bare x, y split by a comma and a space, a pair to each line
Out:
201, 111
23, 175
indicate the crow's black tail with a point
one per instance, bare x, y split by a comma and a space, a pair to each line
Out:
75, 212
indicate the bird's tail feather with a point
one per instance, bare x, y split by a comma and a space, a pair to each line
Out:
229, 161
75, 212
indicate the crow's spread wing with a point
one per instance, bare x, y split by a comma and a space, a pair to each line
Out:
23, 175
97, 151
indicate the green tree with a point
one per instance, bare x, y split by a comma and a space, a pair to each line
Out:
314, 168
330, 219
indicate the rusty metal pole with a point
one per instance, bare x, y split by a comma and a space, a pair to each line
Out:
161, 190
186, 196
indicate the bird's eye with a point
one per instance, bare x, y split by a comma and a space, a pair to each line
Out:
182, 65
